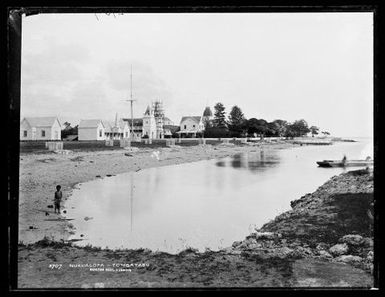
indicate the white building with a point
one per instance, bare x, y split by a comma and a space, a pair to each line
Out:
116, 130
191, 126
40, 128
152, 124
91, 130
149, 123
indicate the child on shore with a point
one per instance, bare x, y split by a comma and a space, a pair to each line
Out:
57, 200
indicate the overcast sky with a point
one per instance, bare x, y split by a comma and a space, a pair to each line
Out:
315, 66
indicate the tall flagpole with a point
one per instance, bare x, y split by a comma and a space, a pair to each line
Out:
132, 113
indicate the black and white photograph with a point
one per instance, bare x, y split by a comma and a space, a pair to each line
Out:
196, 149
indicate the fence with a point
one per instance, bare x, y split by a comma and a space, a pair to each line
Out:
170, 141
125, 142
54, 145
109, 142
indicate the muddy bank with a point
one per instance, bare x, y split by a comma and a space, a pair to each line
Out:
325, 241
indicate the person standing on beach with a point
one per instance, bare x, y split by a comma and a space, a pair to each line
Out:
344, 161
57, 200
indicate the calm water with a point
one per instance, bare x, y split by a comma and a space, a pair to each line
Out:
205, 204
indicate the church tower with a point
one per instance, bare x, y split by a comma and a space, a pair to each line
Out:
149, 124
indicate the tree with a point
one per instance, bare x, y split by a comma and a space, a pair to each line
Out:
272, 129
314, 130
67, 126
289, 132
252, 126
297, 129
219, 116
257, 126
281, 126
69, 130
236, 121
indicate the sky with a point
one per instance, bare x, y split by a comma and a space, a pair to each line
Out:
290, 66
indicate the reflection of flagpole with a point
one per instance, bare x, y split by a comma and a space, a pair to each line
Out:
132, 195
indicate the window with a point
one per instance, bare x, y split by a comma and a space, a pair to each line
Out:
100, 133
42, 133
25, 133
185, 127
193, 126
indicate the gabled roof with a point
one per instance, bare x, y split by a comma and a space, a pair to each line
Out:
110, 126
90, 123
41, 121
147, 112
194, 118
166, 119
122, 123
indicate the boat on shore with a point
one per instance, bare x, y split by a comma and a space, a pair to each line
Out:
347, 163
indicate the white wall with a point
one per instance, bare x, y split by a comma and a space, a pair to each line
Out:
91, 133
149, 127
35, 133
25, 127
126, 131
56, 131
190, 125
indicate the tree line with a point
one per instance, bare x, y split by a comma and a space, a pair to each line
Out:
236, 125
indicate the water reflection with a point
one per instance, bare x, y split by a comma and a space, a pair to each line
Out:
203, 204
253, 161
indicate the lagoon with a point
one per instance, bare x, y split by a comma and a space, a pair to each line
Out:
207, 204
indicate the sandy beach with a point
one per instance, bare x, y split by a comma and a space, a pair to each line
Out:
40, 173
327, 248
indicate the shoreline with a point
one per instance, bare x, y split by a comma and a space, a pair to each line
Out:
40, 173
270, 256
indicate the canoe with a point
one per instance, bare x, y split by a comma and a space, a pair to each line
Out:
348, 163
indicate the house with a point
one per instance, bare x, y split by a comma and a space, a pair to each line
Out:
91, 130
191, 126
137, 129
40, 128
117, 130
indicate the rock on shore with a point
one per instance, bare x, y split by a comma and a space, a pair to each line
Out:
332, 223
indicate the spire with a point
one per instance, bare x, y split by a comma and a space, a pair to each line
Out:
116, 120
147, 112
